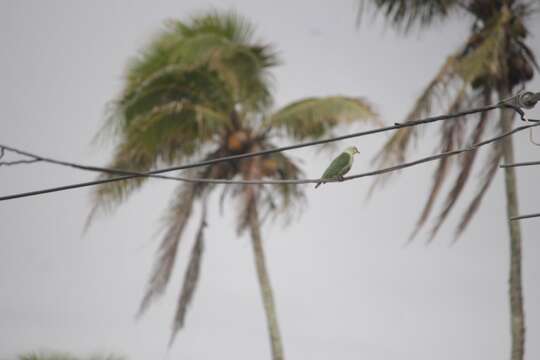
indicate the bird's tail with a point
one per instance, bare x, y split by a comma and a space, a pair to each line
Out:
318, 184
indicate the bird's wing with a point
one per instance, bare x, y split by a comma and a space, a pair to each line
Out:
337, 166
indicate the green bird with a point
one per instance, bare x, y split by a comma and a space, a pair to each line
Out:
340, 165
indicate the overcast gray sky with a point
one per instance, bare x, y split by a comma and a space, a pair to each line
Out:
345, 288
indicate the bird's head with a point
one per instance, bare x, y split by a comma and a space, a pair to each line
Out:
352, 150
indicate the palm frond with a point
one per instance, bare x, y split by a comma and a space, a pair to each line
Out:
176, 131
169, 134
153, 59
451, 138
243, 72
229, 25
461, 180
447, 144
313, 118
395, 150
188, 42
248, 202
486, 178
243, 68
107, 196
528, 54
481, 60
176, 83
176, 221
278, 200
494, 57
282, 200
404, 14
191, 277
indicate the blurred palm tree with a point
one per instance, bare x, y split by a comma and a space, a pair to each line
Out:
201, 90
491, 63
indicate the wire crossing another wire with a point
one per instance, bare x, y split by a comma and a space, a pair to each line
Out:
513, 102
472, 147
516, 102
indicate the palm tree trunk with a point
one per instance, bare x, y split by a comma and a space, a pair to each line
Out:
266, 288
515, 291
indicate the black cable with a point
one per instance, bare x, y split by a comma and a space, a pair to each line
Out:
304, 181
131, 175
154, 173
78, 166
18, 162
521, 217
283, 181
444, 154
528, 163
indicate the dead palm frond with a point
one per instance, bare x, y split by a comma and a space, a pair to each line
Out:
178, 216
468, 78
492, 62
191, 276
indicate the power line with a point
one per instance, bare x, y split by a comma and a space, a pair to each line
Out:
446, 154
521, 217
527, 163
256, 182
131, 174
516, 102
78, 166
18, 162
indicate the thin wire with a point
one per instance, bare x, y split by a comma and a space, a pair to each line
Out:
458, 114
133, 174
531, 136
527, 100
527, 163
444, 154
524, 217
535, 99
18, 162
81, 166
290, 181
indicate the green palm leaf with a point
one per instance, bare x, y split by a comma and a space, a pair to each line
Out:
314, 118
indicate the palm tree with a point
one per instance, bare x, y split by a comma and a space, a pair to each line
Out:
492, 62
200, 90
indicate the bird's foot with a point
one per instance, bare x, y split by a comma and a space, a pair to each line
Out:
341, 178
